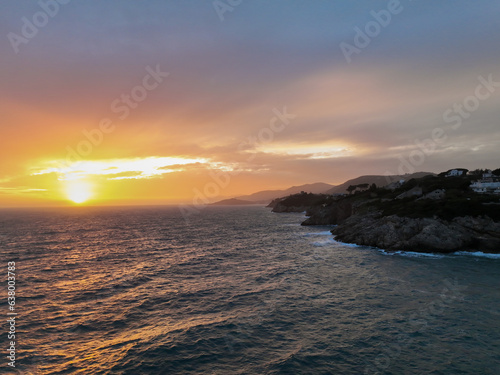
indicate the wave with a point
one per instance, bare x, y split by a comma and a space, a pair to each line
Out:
327, 242
349, 244
412, 254
479, 254
231, 296
324, 233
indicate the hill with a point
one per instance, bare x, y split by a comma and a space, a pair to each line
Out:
380, 181
231, 202
266, 196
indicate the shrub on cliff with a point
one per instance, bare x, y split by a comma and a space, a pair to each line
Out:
305, 199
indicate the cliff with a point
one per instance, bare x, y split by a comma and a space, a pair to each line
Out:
430, 214
299, 202
421, 234
332, 213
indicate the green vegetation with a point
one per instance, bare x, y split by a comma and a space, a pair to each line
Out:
459, 200
306, 199
352, 188
431, 183
447, 209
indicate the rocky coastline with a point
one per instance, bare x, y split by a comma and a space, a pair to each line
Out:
432, 214
421, 234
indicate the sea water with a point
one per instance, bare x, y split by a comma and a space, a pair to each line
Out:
236, 290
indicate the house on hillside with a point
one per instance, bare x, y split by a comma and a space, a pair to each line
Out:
394, 185
456, 172
486, 186
488, 175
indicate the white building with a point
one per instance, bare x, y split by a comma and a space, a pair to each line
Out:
455, 172
488, 175
486, 187
394, 185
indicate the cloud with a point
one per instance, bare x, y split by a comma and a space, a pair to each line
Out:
225, 80
20, 190
116, 169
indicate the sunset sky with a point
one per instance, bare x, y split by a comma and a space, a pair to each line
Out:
128, 102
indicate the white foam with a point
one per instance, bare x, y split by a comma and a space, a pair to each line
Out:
347, 244
413, 254
324, 233
350, 244
478, 254
326, 242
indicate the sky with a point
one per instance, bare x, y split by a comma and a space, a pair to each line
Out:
164, 102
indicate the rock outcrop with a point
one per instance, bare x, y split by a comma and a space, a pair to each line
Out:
430, 214
415, 192
420, 234
299, 202
331, 214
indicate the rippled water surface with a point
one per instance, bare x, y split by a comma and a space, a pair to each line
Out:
238, 290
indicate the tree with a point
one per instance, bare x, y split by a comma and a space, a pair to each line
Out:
351, 188
477, 172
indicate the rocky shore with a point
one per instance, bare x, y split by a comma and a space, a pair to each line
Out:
431, 214
421, 234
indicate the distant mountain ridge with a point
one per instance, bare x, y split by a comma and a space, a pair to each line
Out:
380, 181
232, 202
266, 196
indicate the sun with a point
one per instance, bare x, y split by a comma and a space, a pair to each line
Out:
78, 191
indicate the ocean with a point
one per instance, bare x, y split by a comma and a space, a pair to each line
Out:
236, 290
